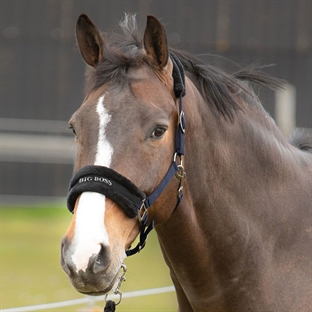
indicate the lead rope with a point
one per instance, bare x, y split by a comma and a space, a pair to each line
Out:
110, 306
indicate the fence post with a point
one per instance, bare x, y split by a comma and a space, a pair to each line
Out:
285, 108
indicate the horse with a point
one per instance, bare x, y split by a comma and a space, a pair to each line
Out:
157, 124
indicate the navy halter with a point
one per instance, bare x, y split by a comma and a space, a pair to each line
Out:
121, 190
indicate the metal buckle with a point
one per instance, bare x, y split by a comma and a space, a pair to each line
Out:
141, 246
144, 209
182, 117
180, 174
122, 278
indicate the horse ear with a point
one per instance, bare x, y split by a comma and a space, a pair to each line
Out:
155, 42
89, 40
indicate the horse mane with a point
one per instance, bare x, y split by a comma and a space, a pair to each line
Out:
302, 139
221, 89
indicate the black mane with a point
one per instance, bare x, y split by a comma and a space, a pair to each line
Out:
223, 89
219, 88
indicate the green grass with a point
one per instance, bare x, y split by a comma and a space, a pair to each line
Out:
31, 273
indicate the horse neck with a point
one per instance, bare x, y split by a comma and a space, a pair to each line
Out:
233, 160
226, 214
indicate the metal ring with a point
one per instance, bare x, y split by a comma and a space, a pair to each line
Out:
181, 124
175, 159
144, 209
182, 175
116, 293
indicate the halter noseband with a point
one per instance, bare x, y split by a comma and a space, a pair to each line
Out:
122, 191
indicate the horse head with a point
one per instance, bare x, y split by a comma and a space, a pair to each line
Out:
127, 124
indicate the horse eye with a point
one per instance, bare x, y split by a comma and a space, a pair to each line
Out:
158, 133
73, 130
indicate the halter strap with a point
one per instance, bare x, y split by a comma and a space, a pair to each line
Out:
122, 191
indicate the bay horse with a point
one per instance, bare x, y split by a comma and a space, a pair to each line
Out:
240, 239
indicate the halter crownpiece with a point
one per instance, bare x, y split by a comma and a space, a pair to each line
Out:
122, 191
178, 76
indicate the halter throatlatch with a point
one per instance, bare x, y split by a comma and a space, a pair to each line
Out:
121, 190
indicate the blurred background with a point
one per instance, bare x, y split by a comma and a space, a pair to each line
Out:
42, 82
42, 73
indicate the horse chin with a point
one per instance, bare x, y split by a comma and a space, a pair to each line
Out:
100, 292
95, 284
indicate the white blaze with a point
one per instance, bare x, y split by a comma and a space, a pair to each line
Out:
104, 149
89, 228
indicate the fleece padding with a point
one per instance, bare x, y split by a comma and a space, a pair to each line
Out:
108, 182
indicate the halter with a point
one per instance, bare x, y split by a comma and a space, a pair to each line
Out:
122, 191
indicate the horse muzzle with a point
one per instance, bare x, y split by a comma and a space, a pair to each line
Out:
98, 276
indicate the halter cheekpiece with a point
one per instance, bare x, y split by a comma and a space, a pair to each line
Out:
122, 191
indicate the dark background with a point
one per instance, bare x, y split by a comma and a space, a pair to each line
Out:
42, 73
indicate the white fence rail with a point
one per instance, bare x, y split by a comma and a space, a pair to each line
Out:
33, 125
36, 141
90, 300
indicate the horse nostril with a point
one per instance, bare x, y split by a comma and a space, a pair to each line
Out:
102, 260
